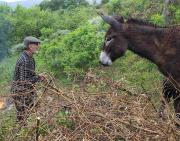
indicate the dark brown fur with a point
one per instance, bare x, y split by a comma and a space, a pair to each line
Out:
160, 45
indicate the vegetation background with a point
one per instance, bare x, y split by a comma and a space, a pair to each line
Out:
73, 34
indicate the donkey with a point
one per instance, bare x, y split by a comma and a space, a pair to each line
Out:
160, 45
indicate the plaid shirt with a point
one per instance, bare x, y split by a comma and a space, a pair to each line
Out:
24, 75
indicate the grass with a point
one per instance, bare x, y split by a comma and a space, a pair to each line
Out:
7, 122
6, 68
137, 75
136, 71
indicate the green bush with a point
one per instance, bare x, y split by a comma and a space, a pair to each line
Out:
157, 19
6, 68
17, 48
74, 18
63, 120
177, 16
32, 22
62, 4
174, 12
143, 9
74, 53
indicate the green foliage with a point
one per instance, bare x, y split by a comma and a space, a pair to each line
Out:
46, 32
43, 23
58, 34
62, 4
31, 21
177, 15
96, 130
71, 46
75, 52
4, 9
104, 1
137, 72
16, 49
74, 18
7, 122
6, 69
157, 19
4, 35
63, 120
134, 8
44, 129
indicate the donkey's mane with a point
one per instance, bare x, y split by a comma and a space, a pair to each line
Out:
142, 22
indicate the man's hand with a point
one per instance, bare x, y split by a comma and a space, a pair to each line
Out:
43, 77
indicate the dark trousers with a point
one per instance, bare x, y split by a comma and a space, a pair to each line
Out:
24, 101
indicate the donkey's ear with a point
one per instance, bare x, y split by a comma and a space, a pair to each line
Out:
111, 21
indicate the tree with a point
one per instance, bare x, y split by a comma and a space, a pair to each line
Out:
104, 1
31, 21
5, 28
62, 4
167, 14
4, 32
4, 9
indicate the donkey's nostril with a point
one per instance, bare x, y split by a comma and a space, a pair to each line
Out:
105, 65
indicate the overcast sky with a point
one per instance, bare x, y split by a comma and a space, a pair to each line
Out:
98, 1
10, 0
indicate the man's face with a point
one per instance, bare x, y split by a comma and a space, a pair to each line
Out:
34, 48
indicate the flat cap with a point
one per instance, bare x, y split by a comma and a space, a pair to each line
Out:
30, 39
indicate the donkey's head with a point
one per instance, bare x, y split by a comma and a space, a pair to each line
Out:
115, 44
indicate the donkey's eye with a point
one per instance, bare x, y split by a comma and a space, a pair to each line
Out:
109, 39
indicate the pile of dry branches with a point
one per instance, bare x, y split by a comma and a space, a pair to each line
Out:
114, 114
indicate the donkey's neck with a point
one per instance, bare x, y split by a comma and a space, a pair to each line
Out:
146, 42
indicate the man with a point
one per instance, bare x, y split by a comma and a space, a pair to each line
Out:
24, 79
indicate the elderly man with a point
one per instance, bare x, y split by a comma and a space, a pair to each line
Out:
24, 79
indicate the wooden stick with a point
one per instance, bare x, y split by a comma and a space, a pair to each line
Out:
37, 129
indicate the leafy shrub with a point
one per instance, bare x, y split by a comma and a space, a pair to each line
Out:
74, 18
134, 8
63, 120
157, 19
177, 16
32, 22
6, 68
17, 48
174, 12
62, 4
74, 53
